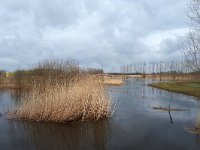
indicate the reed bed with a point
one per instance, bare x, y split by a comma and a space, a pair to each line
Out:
61, 93
7, 83
114, 82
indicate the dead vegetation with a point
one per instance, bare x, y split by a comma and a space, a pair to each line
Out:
59, 91
7, 83
114, 82
168, 109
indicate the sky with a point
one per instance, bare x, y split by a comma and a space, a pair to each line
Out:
97, 33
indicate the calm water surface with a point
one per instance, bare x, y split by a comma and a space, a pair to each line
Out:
135, 125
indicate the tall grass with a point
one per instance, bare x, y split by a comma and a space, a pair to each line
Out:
60, 92
114, 82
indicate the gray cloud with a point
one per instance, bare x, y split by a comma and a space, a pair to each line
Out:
97, 33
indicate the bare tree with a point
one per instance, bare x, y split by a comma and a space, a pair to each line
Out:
194, 13
192, 53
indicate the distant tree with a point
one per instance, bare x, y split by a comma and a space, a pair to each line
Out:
194, 13
192, 54
94, 71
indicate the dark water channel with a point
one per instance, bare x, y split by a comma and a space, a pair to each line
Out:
135, 125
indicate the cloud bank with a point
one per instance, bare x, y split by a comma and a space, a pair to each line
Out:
104, 34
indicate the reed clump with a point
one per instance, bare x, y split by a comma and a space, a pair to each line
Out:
114, 82
60, 91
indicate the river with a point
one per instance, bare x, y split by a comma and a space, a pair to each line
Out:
134, 125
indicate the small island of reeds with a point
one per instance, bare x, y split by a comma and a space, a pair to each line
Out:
59, 91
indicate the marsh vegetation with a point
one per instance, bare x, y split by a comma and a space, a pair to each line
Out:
59, 91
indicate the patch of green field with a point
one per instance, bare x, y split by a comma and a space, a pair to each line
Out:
188, 88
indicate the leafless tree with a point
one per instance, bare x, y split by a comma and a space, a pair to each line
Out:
192, 53
194, 13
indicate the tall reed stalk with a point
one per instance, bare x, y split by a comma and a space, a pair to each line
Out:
60, 92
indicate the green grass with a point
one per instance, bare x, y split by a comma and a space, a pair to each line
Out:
188, 88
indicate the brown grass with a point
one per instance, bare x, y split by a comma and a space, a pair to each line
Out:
82, 100
115, 82
111, 80
60, 96
7, 83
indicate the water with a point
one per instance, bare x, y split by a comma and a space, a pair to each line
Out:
135, 125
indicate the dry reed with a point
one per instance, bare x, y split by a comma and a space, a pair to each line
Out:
7, 83
61, 97
116, 82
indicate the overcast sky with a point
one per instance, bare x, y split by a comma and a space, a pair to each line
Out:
97, 33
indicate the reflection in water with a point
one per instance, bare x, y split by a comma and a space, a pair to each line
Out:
198, 141
135, 125
7, 98
148, 97
170, 116
90, 135
194, 126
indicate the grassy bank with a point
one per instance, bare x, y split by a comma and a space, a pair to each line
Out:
188, 88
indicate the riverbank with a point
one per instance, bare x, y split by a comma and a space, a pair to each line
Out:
183, 77
188, 88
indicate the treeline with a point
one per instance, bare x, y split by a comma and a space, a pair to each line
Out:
162, 67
